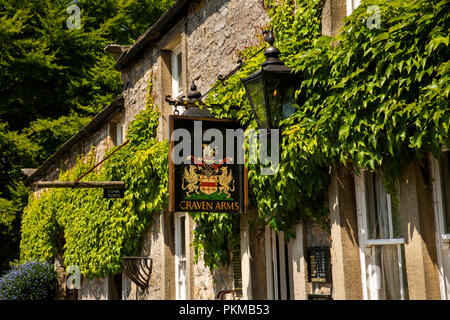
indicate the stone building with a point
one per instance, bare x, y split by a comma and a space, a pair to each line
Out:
380, 246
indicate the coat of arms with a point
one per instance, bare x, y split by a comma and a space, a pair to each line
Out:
207, 178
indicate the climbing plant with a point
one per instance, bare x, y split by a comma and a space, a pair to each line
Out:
373, 98
98, 232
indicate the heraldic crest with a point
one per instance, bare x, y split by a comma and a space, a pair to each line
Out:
207, 178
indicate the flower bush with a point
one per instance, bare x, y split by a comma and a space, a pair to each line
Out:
29, 281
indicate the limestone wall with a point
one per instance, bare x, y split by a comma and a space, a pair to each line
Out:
211, 37
216, 32
95, 289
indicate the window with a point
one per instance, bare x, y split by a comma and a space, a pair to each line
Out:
277, 274
180, 256
381, 240
444, 170
119, 134
352, 5
441, 195
116, 131
177, 71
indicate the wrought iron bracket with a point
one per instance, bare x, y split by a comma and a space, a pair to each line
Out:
139, 270
223, 79
182, 101
220, 295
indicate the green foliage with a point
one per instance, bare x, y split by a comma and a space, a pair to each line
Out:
371, 98
52, 133
122, 20
99, 232
215, 236
16, 152
52, 80
368, 99
49, 71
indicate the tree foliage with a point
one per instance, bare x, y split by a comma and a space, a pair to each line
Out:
370, 98
98, 232
54, 79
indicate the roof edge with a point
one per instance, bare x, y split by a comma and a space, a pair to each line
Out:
152, 33
88, 128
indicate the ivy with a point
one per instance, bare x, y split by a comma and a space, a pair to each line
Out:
369, 98
99, 232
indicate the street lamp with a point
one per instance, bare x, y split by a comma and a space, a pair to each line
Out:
271, 89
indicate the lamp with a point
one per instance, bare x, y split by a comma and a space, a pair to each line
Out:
271, 89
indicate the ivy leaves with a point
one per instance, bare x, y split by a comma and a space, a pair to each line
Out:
371, 98
99, 232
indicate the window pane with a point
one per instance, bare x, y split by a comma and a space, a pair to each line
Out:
445, 185
179, 68
177, 87
386, 281
376, 205
255, 89
183, 236
280, 92
377, 215
119, 134
396, 214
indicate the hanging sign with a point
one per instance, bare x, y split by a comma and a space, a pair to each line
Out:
206, 165
113, 193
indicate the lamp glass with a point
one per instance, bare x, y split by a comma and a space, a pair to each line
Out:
255, 93
280, 95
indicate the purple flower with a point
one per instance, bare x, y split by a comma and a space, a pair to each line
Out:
29, 281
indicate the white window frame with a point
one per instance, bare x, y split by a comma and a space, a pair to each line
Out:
180, 287
177, 87
366, 245
119, 130
352, 5
276, 267
442, 238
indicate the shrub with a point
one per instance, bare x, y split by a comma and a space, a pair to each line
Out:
29, 281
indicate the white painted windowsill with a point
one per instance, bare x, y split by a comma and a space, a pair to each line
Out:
380, 242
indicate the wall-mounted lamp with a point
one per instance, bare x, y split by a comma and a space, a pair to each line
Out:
271, 90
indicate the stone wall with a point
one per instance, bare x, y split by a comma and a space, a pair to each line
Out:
95, 289
211, 37
151, 248
217, 31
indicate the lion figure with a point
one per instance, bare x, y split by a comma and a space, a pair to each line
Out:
225, 180
191, 178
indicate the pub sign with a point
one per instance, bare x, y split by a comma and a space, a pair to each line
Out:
206, 165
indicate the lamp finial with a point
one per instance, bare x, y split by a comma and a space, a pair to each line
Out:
269, 37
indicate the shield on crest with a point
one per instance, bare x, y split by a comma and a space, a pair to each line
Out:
208, 185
